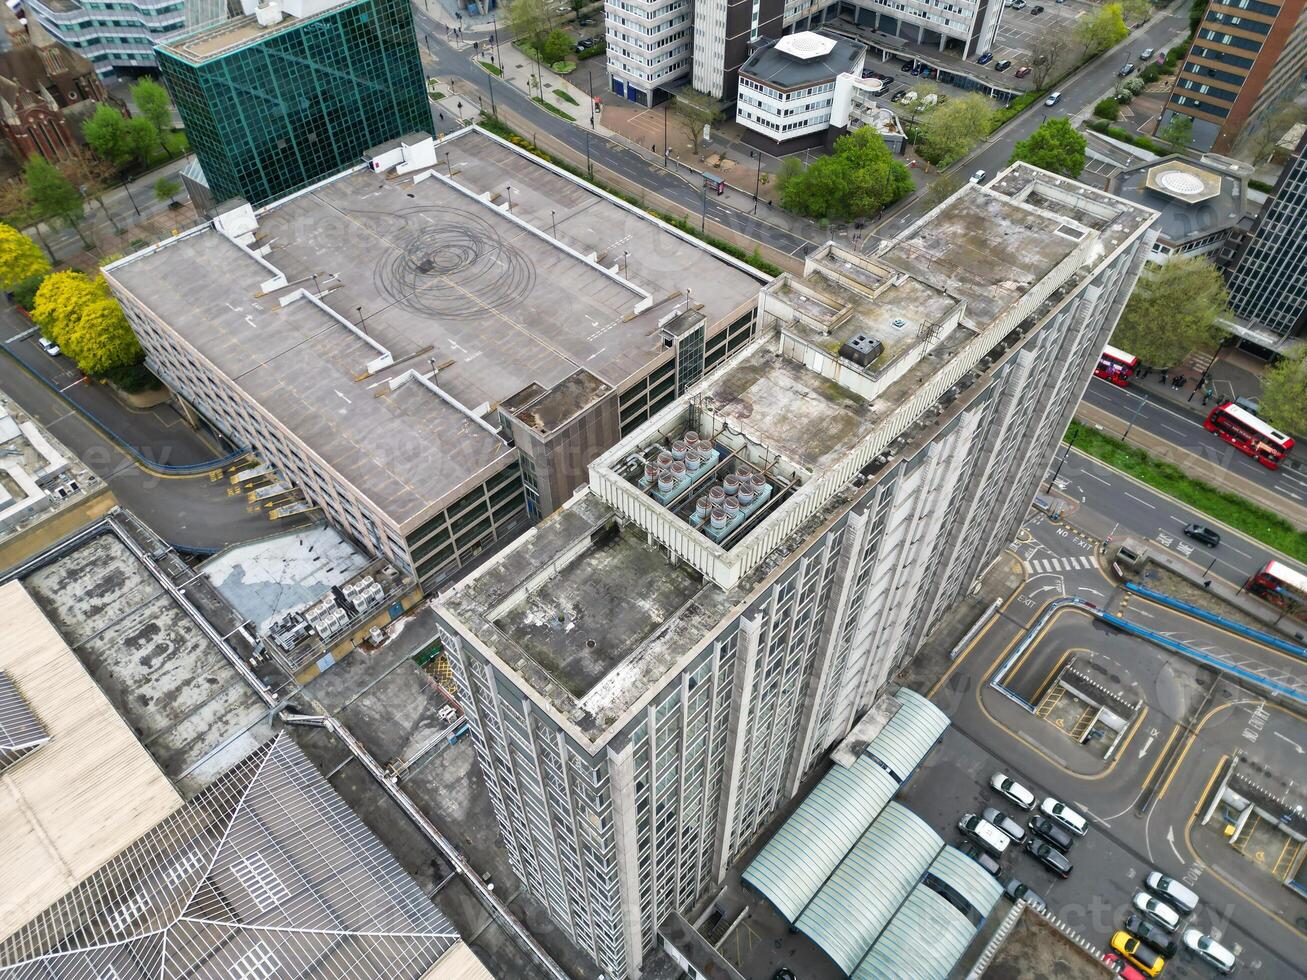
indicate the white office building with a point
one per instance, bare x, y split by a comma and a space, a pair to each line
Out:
649, 45
651, 672
787, 88
966, 27
121, 34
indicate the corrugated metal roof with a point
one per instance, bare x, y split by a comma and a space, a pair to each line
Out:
925, 939
20, 732
802, 854
857, 901
908, 736
970, 880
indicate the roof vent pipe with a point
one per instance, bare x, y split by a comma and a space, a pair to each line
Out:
268, 13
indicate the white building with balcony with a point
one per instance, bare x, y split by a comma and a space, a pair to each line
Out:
787, 88
121, 34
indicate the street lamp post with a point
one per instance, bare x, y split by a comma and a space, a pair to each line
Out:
590, 86
757, 183
490, 86
703, 217
1053, 479
510, 197
494, 36
128, 188
553, 217
1143, 400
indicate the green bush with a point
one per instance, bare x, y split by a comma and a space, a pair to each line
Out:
566, 97
1014, 109
1107, 109
132, 378
1117, 133
493, 69
25, 290
1152, 73
563, 67
596, 51
1254, 183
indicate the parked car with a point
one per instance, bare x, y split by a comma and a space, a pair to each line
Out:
1038, 9
1127, 69
1018, 4
1016, 891
986, 58
1051, 832
1145, 54
784, 973
1146, 959
1209, 950
927, 72
916, 70
977, 854
1157, 910
979, 177
906, 66
1014, 791
1049, 856
49, 346
984, 833
898, 96
1003, 65
1180, 896
1053, 98
1203, 534
1064, 815
1154, 936
1023, 71
1005, 823
1123, 969
586, 43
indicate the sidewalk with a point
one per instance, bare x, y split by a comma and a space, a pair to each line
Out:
1234, 374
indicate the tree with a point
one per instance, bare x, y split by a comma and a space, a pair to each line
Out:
528, 20
695, 110
1178, 130
791, 167
1108, 109
100, 339
556, 46
1048, 55
1136, 11
1103, 29
106, 134
1055, 146
1261, 143
1196, 10
1174, 310
856, 180
166, 190
92, 175
151, 100
60, 300
941, 189
54, 196
20, 258
1284, 393
142, 138
952, 130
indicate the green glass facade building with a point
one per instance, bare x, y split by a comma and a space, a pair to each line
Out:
272, 107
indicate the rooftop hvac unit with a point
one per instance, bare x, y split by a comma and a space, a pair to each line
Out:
861, 350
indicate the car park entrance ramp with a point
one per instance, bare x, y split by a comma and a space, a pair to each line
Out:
865, 878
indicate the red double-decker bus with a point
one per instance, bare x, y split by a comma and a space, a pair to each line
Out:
1249, 434
1281, 586
1116, 366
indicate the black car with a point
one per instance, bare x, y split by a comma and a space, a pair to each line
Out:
784, 973
1202, 534
1152, 934
1015, 890
974, 852
1051, 832
1037, 10
1049, 856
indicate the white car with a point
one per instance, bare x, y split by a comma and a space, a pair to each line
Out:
978, 177
1064, 815
1145, 54
49, 346
1210, 950
1053, 98
984, 833
1180, 896
1014, 791
1157, 910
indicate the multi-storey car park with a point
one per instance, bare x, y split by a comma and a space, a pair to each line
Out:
434, 344
652, 671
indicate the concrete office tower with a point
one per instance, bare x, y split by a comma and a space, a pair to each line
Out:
295, 90
651, 672
1268, 278
1246, 55
120, 34
649, 46
432, 346
966, 27
725, 31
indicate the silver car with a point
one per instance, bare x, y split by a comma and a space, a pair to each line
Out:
1005, 823
1209, 950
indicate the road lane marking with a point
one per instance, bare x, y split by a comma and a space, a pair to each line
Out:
1139, 500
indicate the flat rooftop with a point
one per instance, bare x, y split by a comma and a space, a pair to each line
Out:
821, 58
223, 37
439, 273
790, 410
73, 803
181, 696
1194, 198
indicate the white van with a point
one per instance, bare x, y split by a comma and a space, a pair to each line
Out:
1182, 897
984, 833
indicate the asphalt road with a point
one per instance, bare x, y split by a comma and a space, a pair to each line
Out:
1184, 428
1079, 93
444, 59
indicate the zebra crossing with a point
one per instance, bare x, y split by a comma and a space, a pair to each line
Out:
1067, 564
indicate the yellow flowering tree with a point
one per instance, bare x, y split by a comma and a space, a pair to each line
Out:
20, 258
81, 316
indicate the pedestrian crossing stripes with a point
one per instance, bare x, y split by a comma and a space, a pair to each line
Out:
1061, 564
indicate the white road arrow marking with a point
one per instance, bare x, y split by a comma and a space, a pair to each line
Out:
1297, 747
1170, 839
1147, 745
